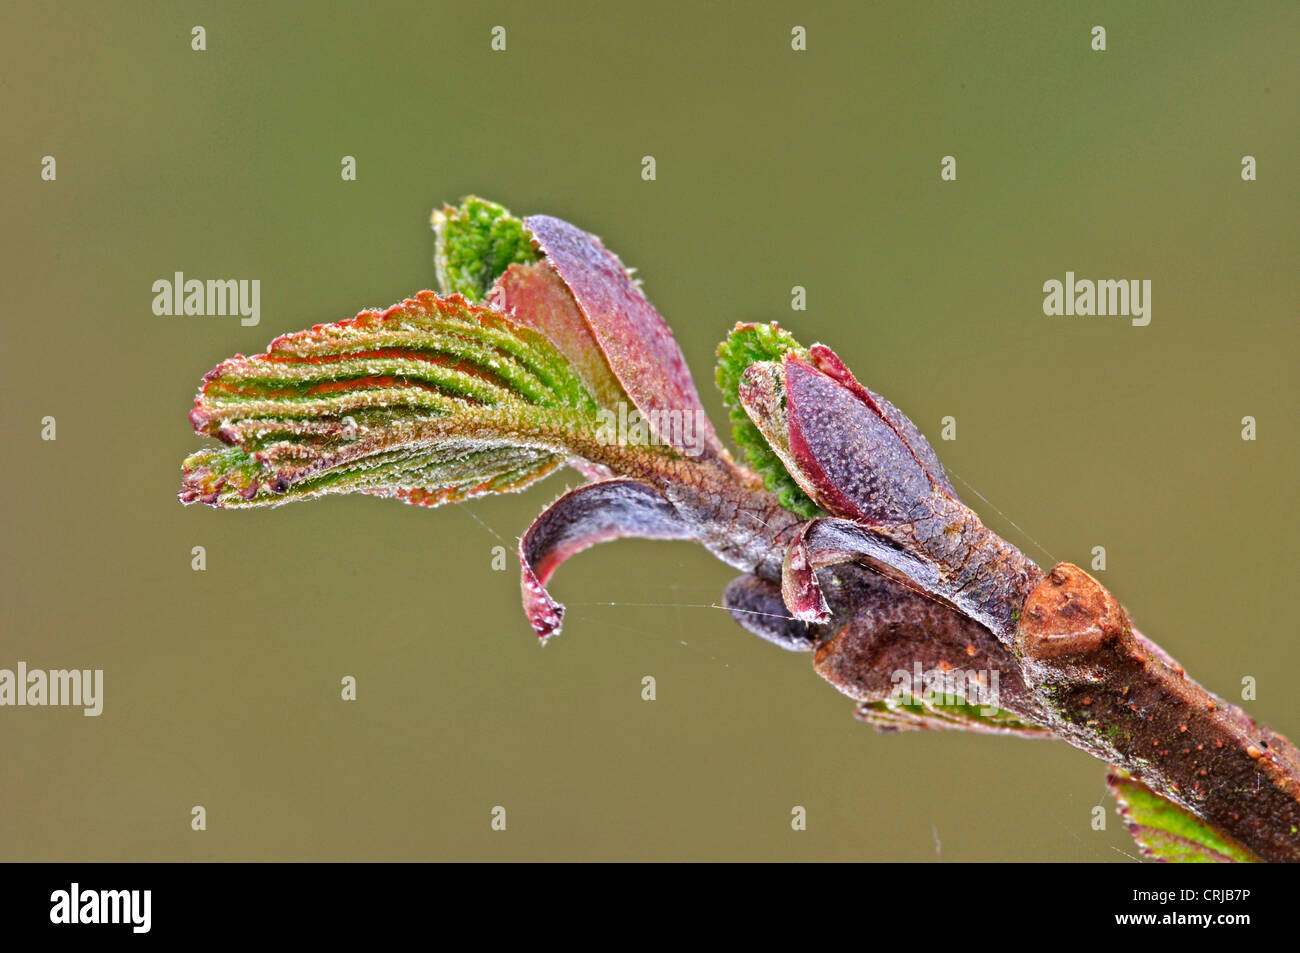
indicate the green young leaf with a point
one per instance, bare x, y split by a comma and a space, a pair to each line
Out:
908, 713
476, 243
1167, 832
745, 345
432, 401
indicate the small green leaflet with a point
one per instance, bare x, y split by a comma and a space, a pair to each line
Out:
911, 714
1168, 833
476, 243
745, 345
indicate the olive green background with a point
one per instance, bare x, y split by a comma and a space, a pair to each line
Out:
775, 169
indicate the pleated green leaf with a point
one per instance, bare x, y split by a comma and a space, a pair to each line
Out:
431, 401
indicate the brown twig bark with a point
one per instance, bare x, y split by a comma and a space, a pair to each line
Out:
1109, 691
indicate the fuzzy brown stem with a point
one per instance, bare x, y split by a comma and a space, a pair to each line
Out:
1111, 692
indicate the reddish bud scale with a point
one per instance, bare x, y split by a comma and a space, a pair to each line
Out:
863, 461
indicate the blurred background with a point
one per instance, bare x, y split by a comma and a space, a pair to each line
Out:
775, 168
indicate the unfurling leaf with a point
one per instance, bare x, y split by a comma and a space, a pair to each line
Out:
634, 338
1167, 832
433, 400
749, 344
476, 243
535, 296
439, 399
